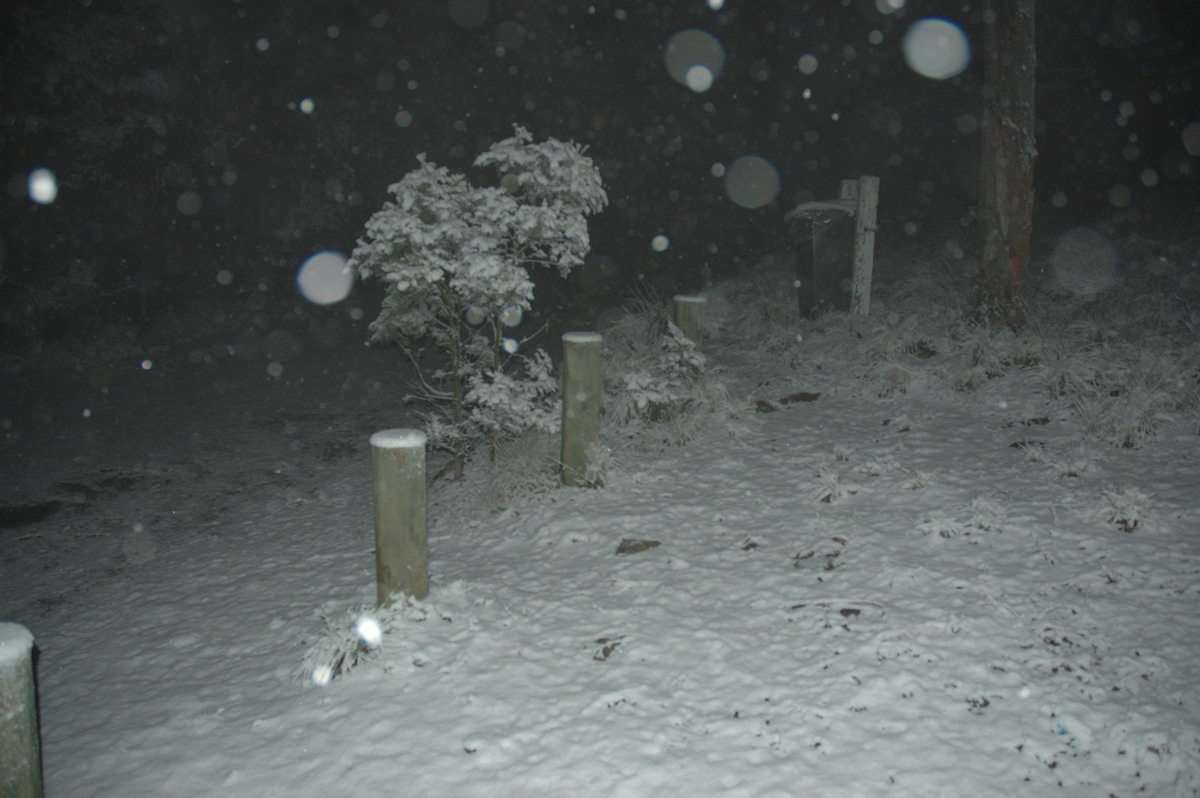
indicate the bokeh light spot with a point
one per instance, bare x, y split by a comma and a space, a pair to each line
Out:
369, 631
699, 78
189, 203
1084, 262
42, 186
511, 315
752, 181
474, 315
510, 35
468, 13
936, 48
1191, 138
693, 48
325, 278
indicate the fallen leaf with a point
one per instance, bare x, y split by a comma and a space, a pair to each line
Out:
627, 546
802, 396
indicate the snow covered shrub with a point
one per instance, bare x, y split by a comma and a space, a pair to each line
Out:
653, 372
454, 259
505, 404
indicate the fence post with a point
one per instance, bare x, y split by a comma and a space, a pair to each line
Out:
689, 316
401, 543
864, 244
580, 402
20, 750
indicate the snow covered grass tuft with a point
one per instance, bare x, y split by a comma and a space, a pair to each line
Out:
344, 641
1125, 507
356, 636
524, 466
1077, 460
1137, 393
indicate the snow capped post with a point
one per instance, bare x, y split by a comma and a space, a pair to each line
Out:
401, 545
580, 402
20, 752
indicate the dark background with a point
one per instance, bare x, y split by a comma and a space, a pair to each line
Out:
134, 103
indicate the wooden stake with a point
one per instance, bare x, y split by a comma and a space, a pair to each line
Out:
580, 402
689, 316
864, 244
401, 543
20, 751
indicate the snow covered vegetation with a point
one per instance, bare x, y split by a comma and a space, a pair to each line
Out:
455, 257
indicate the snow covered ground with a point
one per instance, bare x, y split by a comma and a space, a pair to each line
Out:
907, 557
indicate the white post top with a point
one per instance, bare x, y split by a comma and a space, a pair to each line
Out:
689, 298
581, 338
398, 439
15, 643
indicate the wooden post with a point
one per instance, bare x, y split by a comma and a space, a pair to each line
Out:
864, 244
580, 402
401, 544
689, 316
20, 751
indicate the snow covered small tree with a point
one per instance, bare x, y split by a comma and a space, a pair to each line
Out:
454, 259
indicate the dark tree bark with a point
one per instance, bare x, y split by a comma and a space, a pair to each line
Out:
1007, 157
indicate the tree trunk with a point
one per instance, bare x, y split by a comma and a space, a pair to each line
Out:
1007, 157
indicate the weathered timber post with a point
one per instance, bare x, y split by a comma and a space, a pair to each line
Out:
689, 317
20, 750
580, 402
401, 543
867, 194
